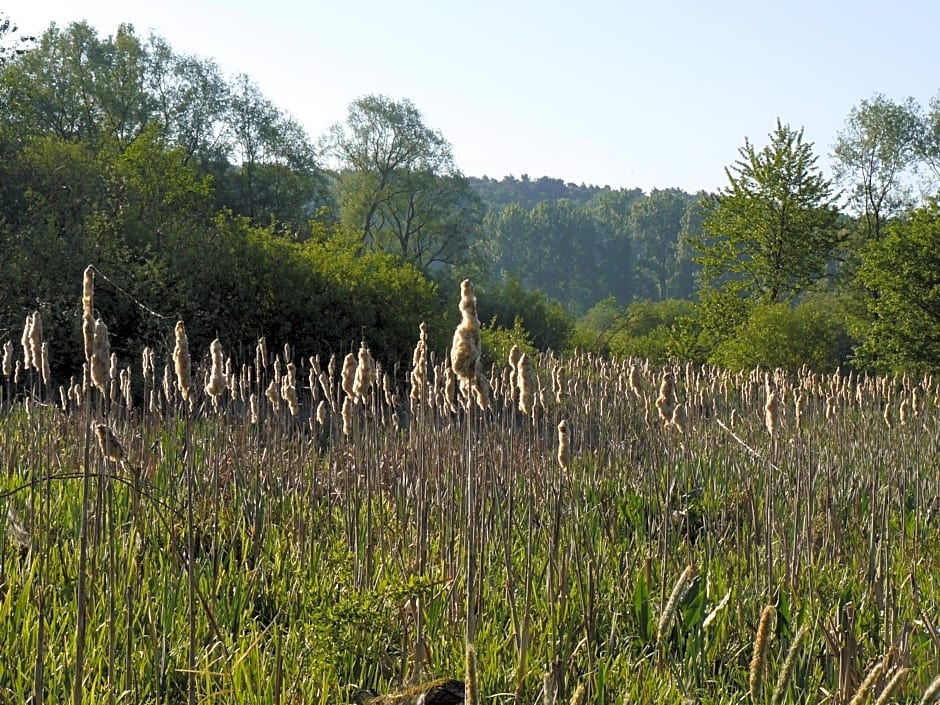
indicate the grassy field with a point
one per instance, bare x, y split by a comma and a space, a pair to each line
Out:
258, 547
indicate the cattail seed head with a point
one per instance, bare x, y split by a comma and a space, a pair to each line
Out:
217, 383
365, 375
99, 364
865, 687
564, 445
759, 656
88, 291
347, 414
465, 348
348, 374
772, 413
289, 389
181, 361
899, 675
8, 358
786, 671
675, 597
527, 384
666, 401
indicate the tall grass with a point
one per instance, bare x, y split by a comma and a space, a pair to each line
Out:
265, 556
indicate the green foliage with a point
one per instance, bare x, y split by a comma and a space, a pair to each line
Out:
498, 341
903, 273
813, 334
399, 186
645, 329
772, 229
875, 155
504, 304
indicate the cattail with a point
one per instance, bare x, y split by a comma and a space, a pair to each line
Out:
419, 367
666, 401
558, 383
472, 694
44, 360
324, 380
114, 381
8, 358
25, 342
759, 657
465, 348
580, 694
830, 407
261, 355
772, 413
88, 334
679, 418
874, 673
109, 444
347, 414
35, 341
365, 374
889, 420
348, 374
636, 382
273, 393
217, 383
88, 290
902, 412
526, 382
167, 385
899, 675
917, 402
147, 366
932, 694
675, 597
182, 362
289, 389
98, 364
321, 412
126, 394
564, 445
253, 409
786, 671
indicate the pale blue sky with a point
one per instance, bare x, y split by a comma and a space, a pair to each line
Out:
604, 92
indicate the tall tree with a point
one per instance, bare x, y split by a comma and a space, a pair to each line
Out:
657, 225
400, 188
875, 153
770, 232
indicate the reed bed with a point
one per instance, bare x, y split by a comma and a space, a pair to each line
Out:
556, 529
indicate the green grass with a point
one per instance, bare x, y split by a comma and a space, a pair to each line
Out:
271, 563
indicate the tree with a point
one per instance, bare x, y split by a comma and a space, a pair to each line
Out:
770, 232
12, 45
273, 174
400, 188
874, 153
657, 225
903, 270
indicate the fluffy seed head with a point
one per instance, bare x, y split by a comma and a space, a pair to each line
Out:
182, 362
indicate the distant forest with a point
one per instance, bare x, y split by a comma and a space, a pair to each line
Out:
197, 199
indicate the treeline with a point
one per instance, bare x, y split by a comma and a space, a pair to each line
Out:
196, 198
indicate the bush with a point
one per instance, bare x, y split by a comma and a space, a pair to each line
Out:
814, 334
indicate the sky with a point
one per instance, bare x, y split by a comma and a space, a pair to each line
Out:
613, 93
